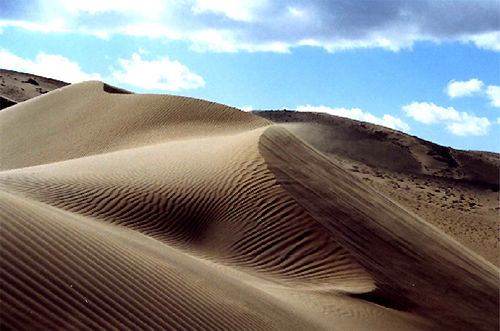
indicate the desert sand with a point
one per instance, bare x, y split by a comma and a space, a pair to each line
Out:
455, 190
127, 211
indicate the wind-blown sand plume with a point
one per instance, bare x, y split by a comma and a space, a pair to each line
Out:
414, 264
144, 211
455, 190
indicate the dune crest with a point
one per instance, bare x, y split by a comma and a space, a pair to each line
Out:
83, 119
413, 263
455, 190
135, 211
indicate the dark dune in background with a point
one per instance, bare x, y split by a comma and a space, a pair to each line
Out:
455, 190
18, 86
384, 148
132, 211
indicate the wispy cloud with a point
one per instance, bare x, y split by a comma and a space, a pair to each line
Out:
458, 123
277, 26
357, 114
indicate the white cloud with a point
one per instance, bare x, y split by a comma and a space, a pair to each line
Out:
489, 40
429, 113
357, 114
54, 25
394, 123
459, 123
238, 10
213, 40
457, 89
160, 74
151, 30
246, 108
147, 8
277, 26
47, 65
224, 41
493, 93
470, 125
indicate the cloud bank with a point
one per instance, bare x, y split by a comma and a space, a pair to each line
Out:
266, 25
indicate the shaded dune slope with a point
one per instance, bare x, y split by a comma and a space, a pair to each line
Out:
412, 262
145, 212
215, 197
366, 142
60, 271
455, 190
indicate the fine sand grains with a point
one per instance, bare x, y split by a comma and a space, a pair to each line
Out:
122, 211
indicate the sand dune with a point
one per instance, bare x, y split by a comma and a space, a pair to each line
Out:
125, 211
18, 86
461, 290
455, 190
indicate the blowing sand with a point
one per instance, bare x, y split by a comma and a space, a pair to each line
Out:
124, 211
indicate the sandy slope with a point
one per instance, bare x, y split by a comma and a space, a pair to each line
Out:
413, 263
455, 190
144, 211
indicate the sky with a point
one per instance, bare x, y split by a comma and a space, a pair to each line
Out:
429, 68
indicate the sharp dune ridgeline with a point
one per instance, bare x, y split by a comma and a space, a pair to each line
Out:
127, 211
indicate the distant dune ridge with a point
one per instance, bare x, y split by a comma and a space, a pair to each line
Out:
455, 190
19, 86
127, 211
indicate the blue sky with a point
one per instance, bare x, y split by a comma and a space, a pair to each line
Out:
428, 68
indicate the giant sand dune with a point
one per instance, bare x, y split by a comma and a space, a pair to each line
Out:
126, 211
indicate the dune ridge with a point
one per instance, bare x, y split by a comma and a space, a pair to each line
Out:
135, 211
99, 122
17, 86
404, 248
202, 192
455, 190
